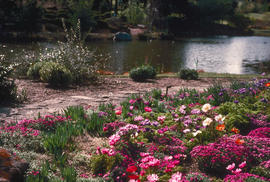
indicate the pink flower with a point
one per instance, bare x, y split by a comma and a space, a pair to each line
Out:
131, 108
131, 101
35, 173
113, 139
243, 164
84, 176
152, 178
138, 118
230, 167
176, 177
237, 171
148, 109
161, 118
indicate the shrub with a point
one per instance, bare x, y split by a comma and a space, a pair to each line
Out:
33, 71
197, 177
142, 73
260, 171
8, 89
55, 74
244, 177
189, 74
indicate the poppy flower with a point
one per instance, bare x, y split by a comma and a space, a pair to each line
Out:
131, 169
235, 130
118, 112
220, 127
133, 176
267, 84
239, 141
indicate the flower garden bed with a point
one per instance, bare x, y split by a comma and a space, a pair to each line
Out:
221, 134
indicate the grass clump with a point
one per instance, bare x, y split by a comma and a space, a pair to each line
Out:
188, 74
55, 74
142, 73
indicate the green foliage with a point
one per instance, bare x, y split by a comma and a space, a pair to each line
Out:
101, 164
260, 171
135, 13
83, 10
254, 179
69, 174
33, 71
55, 74
197, 177
8, 89
142, 73
236, 115
240, 21
212, 10
189, 74
219, 94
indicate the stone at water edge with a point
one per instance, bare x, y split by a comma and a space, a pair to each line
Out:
122, 36
12, 169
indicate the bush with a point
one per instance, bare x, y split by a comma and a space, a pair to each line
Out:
55, 74
260, 171
33, 71
8, 89
142, 73
189, 74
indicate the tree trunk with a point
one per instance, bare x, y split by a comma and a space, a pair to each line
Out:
116, 7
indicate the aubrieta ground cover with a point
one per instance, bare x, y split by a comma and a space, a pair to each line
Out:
221, 134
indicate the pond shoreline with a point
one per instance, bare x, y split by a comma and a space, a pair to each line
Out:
10, 37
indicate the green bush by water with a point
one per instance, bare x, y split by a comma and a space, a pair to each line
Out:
188, 74
33, 71
8, 89
55, 74
143, 73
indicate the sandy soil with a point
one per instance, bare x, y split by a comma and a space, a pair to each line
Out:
45, 100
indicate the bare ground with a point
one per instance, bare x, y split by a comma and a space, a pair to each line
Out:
45, 100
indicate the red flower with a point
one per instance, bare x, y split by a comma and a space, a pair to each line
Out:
148, 109
239, 141
118, 112
267, 84
133, 176
131, 169
235, 130
220, 127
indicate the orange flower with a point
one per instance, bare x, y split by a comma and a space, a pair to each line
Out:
239, 141
235, 130
220, 127
267, 84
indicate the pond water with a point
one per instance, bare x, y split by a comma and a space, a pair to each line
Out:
220, 54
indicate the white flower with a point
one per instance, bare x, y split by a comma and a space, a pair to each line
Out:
206, 107
186, 131
196, 133
207, 122
219, 118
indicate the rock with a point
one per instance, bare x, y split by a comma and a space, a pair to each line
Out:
122, 36
12, 169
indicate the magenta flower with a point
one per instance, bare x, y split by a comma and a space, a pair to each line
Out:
152, 178
231, 166
148, 109
114, 139
243, 164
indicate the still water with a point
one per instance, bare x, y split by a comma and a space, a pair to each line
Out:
220, 54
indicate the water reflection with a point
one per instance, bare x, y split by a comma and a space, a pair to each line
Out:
234, 56
212, 54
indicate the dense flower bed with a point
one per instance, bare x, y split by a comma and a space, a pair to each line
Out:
158, 137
